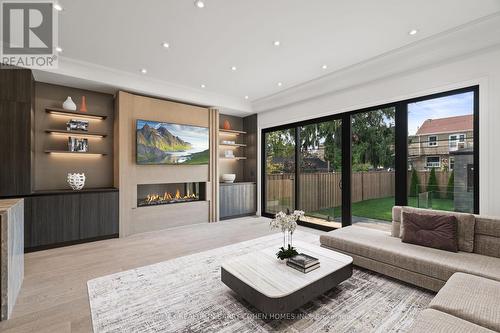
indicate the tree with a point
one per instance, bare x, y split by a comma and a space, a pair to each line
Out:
432, 185
414, 184
451, 186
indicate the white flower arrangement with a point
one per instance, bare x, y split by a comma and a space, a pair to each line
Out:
286, 223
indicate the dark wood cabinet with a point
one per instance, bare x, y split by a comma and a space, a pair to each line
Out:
237, 199
53, 220
16, 131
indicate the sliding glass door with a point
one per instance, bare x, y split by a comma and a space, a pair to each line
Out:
279, 162
441, 170
354, 167
373, 165
320, 172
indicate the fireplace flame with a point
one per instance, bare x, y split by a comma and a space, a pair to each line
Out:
168, 197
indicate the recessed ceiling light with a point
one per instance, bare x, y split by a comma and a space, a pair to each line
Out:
165, 45
203, 86
144, 71
199, 4
59, 49
58, 7
324, 66
413, 32
280, 84
233, 68
246, 97
276, 43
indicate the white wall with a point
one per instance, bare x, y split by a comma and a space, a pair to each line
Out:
482, 67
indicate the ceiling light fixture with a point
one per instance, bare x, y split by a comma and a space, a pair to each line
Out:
413, 32
59, 49
199, 4
233, 68
324, 66
203, 86
276, 43
246, 97
58, 7
280, 84
165, 45
144, 71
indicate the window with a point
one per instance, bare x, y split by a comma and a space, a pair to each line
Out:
452, 163
456, 141
433, 162
433, 141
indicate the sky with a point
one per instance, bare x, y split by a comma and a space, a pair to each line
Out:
196, 136
449, 106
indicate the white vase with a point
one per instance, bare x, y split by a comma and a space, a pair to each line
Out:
69, 104
76, 180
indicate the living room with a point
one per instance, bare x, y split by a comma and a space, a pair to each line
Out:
206, 166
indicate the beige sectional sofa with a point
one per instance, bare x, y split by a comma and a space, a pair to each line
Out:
468, 281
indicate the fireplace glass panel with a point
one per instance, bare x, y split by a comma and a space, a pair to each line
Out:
164, 194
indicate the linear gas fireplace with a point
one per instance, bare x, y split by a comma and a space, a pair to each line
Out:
165, 194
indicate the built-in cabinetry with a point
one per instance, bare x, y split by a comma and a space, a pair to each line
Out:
238, 198
57, 218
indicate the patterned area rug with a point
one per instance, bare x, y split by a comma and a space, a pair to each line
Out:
186, 295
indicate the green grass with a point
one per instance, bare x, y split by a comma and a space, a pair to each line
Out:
380, 209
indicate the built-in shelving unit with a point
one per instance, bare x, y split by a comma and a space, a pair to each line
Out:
233, 144
233, 132
77, 133
225, 146
81, 115
234, 158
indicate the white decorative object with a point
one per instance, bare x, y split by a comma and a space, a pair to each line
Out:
229, 154
286, 223
228, 177
69, 104
76, 180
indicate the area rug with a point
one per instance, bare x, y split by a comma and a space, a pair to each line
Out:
186, 295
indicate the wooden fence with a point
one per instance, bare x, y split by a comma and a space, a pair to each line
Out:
322, 190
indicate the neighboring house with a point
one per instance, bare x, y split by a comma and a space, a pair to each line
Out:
431, 146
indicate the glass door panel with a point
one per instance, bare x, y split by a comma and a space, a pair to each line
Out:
373, 166
441, 153
280, 171
320, 173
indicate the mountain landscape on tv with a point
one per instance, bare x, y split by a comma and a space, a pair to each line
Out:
165, 143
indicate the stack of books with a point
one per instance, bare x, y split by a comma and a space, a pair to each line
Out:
303, 262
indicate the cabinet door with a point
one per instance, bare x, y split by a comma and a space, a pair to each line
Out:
54, 219
98, 214
238, 199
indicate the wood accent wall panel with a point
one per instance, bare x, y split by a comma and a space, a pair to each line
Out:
214, 165
16, 123
133, 220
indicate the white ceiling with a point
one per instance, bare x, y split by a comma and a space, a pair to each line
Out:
126, 35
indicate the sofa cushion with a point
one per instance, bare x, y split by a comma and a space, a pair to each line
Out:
472, 298
430, 320
436, 231
396, 221
487, 238
380, 246
466, 224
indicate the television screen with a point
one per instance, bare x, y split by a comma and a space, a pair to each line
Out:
166, 143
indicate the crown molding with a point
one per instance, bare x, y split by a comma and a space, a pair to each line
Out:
84, 75
477, 36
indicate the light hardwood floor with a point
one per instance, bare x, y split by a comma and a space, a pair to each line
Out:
54, 298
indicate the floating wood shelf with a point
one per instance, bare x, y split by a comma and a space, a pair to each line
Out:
233, 144
76, 133
231, 131
49, 151
236, 158
62, 112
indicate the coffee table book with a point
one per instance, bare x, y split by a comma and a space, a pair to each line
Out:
302, 269
303, 260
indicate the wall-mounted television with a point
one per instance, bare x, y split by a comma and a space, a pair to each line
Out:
167, 143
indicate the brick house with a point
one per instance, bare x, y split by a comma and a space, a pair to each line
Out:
431, 146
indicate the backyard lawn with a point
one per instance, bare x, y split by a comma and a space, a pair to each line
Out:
381, 209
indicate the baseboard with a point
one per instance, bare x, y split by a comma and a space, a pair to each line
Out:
69, 243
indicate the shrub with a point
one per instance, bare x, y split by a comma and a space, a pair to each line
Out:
450, 189
432, 185
414, 184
